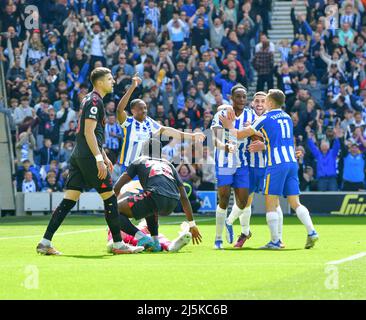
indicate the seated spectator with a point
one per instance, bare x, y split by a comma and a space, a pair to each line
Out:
28, 184
51, 184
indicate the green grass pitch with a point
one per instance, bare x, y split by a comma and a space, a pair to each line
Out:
86, 271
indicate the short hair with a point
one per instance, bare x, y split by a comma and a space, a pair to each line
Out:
238, 87
134, 102
277, 96
260, 93
98, 73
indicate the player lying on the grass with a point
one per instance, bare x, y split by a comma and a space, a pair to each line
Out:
231, 163
165, 244
162, 189
256, 158
281, 176
89, 167
139, 128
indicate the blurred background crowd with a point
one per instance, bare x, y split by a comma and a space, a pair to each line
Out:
189, 54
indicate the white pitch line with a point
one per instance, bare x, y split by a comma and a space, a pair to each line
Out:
87, 230
351, 258
58, 234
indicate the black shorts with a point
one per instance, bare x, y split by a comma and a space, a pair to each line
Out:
147, 203
83, 174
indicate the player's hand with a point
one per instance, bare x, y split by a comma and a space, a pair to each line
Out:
102, 170
196, 236
199, 137
256, 146
226, 123
230, 113
109, 164
136, 80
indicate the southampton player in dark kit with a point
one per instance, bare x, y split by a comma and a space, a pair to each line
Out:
89, 167
162, 190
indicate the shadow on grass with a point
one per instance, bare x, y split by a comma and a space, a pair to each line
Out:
104, 256
259, 249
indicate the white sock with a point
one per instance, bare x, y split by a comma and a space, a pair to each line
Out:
272, 221
139, 235
46, 242
220, 221
245, 219
304, 216
234, 214
280, 221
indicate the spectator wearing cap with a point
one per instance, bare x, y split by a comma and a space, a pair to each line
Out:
326, 162
354, 169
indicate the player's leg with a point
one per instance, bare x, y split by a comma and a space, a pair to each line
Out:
58, 216
280, 222
291, 190
304, 216
241, 190
245, 223
273, 188
74, 185
221, 213
153, 226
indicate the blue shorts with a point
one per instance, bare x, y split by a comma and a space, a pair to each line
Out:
282, 180
256, 179
234, 177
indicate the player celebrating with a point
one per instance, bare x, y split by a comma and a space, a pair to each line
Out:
231, 163
162, 189
89, 167
139, 128
256, 158
281, 176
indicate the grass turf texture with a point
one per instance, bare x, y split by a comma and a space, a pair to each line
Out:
86, 271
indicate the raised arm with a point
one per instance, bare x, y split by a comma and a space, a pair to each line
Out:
121, 113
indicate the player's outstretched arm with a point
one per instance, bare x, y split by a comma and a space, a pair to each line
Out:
187, 208
121, 113
122, 181
240, 134
179, 135
91, 140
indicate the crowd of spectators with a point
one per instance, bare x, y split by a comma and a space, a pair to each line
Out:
189, 53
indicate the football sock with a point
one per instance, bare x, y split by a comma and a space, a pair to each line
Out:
153, 224
46, 242
113, 218
245, 220
127, 226
139, 235
304, 216
220, 221
58, 216
272, 221
234, 214
280, 221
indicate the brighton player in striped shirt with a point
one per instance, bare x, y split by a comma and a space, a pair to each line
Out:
139, 128
281, 176
257, 165
232, 169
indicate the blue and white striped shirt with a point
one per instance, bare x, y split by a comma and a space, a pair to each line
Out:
277, 129
257, 159
134, 134
240, 157
112, 142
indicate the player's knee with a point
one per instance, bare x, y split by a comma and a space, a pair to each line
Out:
72, 195
224, 202
107, 195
